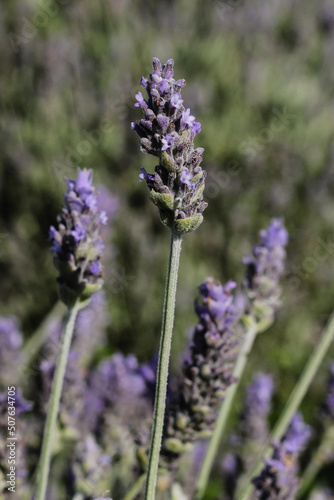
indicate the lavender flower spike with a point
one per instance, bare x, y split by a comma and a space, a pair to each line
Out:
264, 270
278, 480
207, 372
167, 131
76, 244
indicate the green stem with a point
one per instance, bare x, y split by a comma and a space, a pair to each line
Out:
136, 488
163, 363
51, 419
35, 341
296, 398
224, 413
320, 458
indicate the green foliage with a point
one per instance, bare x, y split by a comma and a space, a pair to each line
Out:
260, 81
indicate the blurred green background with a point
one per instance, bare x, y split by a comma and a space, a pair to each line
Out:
260, 79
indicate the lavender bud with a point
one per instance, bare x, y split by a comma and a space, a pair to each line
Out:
278, 480
76, 244
264, 270
168, 132
207, 372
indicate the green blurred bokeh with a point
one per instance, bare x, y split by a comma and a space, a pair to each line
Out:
260, 79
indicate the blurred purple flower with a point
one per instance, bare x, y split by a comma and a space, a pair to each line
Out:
207, 370
265, 268
278, 480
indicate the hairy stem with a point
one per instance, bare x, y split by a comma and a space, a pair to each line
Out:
163, 363
224, 413
295, 399
51, 419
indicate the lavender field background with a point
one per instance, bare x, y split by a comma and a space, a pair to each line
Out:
260, 79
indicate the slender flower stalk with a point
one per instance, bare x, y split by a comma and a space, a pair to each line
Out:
320, 458
77, 247
263, 271
297, 395
163, 363
57, 385
325, 451
167, 132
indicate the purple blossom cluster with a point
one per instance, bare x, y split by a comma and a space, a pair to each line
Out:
207, 373
278, 480
77, 244
264, 269
168, 131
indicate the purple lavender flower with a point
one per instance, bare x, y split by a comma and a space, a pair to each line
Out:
258, 396
264, 270
168, 143
254, 426
186, 177
76, 244
167, 131
207, 371
278, 480
131, 397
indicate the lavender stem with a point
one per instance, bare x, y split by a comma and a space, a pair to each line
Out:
296, 397
163, 363
318, 460
224, 412
57, 385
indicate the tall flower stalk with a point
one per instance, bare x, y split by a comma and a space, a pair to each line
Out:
167, 131
297, 394
263, 271
76, 247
